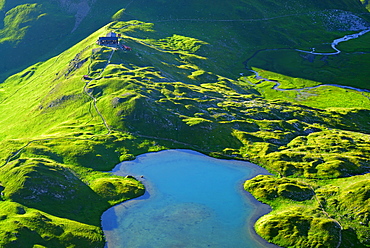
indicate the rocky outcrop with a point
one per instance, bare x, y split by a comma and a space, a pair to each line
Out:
80, 9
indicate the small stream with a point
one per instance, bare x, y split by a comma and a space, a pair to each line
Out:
337, 51
277, 85
336, 42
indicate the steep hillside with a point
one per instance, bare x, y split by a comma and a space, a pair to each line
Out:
28, 33
263, 33
67, 119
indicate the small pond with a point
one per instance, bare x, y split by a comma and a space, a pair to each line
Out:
192, 200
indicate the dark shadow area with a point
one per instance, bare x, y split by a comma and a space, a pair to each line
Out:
347, 69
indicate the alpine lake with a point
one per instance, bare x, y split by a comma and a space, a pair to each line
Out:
191, 200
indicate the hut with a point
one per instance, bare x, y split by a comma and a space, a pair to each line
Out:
111, 34
106, 41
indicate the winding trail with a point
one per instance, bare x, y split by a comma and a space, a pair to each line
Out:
227, 20
85, 90
327, 215
95, 100
333, 45
277, 85
17, 152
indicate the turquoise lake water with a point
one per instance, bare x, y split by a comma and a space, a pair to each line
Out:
192, 200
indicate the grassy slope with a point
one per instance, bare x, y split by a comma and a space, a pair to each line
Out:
338, 69
29, 33
319, 213
152, 98
230, 28
292, 25
51, 177
330, 218
324, 97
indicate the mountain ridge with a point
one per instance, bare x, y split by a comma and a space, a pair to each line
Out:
237, 33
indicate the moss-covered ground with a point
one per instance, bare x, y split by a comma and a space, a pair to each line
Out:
67, 120
314, 213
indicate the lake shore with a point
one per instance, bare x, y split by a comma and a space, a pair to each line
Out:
257, 209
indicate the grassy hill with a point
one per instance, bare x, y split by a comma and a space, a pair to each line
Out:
235, 30
61, 129
68, 119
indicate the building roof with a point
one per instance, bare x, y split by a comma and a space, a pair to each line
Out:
111, 34
108, 38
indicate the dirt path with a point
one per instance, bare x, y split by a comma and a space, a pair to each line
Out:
17, 152
95, 100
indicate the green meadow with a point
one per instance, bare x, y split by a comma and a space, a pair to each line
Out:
67, 120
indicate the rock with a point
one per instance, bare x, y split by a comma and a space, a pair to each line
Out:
129, 176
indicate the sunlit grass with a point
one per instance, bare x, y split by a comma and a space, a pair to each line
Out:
61, 130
